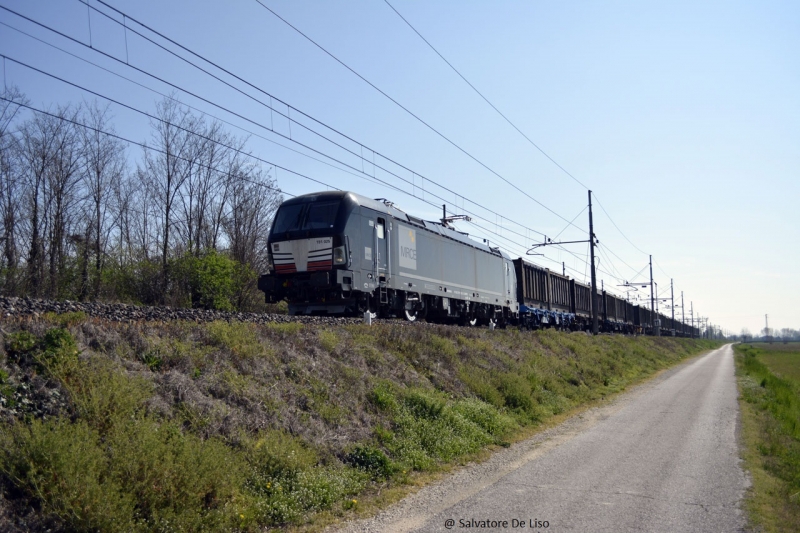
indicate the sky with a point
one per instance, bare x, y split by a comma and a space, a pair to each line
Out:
683, 118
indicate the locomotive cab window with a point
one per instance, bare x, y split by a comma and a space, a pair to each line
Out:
379, 228
321, 215
289, 217
306, 216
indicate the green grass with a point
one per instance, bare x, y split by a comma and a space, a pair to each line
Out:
238, 427
770, 399
782, 359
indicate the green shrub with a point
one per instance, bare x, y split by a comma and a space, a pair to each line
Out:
427, 429
20, 345
175, 477
424, 404
383, 398
105, 397
288, 481
371, 460
51, 353
328, 340
63, 466
278, 454
516, 391
487, 417
209, 279
480, 383
282, 501
285, 330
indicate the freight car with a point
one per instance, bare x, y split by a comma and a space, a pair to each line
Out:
341, 253
345, 254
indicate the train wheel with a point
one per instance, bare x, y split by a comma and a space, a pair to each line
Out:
410, 315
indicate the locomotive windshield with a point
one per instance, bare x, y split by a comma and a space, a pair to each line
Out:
307, 216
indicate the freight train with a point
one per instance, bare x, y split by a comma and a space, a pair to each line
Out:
340, 253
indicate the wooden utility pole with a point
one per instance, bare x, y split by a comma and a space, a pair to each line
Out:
594, 275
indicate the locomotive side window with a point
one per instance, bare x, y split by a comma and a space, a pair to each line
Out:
380, 228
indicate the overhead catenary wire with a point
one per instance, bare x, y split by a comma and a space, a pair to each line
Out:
327, 185
617, 227
486, 99
147, 147
411, 113
152, 117
479, 93
193, 108
375, 152
376, 88
175, 86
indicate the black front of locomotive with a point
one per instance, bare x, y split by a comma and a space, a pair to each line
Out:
309, 254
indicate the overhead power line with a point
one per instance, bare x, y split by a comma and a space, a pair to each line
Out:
145, 146
190, 93
619, 230
193, 108
479, 93
262, 126
411, 113
486, 99
269, 106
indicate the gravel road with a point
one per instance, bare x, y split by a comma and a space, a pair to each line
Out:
661, 457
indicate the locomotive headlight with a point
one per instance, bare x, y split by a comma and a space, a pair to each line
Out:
339, 257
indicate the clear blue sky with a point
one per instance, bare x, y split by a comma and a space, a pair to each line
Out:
682, 117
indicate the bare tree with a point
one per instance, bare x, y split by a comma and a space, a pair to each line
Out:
70, 204
254, 200
62, 195
41, 140
10, 188
104, 165
166, 170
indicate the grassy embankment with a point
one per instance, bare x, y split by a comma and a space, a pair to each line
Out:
232, 426
769, 381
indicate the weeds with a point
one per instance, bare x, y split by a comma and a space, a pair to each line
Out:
168, 424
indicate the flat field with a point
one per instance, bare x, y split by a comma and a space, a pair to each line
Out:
769, 382
782, 359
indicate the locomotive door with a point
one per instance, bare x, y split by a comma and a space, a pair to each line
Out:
381, 239
374, 240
